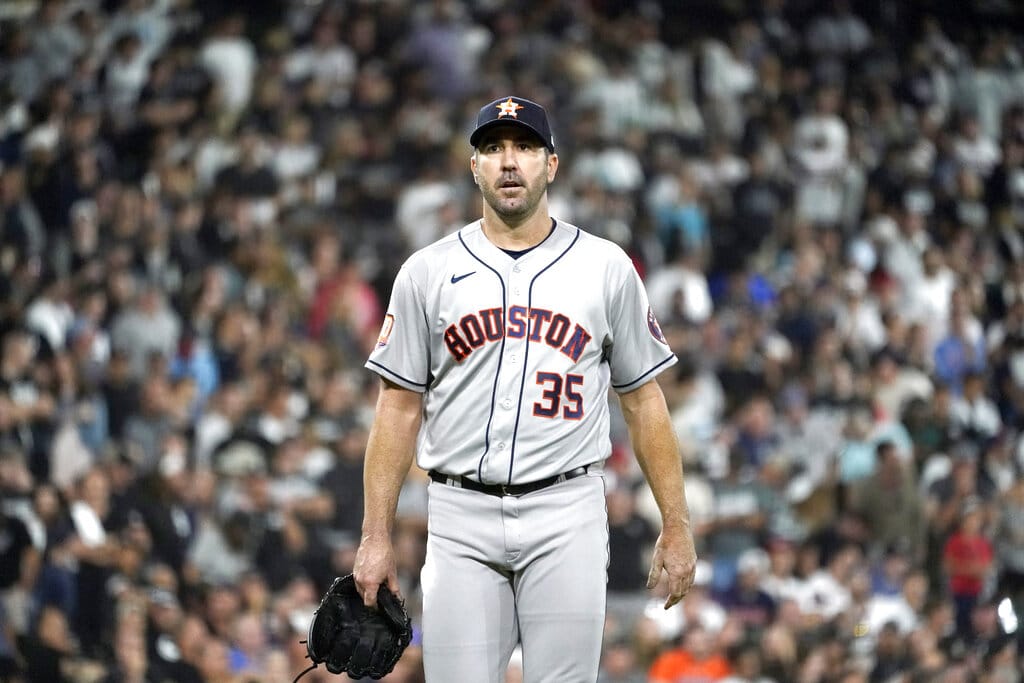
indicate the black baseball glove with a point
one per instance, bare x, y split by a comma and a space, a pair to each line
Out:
349, 637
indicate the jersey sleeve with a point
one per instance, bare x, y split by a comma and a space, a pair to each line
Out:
638, 350
402, 353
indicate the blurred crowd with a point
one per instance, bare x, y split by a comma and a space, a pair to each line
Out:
203, 204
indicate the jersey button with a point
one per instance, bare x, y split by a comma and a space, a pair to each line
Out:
507, 404
501, 446
516, 268
513, 358
516, 291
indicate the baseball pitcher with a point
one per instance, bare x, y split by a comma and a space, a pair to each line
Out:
496, 354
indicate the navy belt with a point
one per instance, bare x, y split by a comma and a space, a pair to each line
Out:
506, 489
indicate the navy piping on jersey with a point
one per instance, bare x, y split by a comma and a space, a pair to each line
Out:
526, 353
520, 252
626, 384
501, 354
395, 374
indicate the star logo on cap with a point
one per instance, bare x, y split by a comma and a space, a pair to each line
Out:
509, 108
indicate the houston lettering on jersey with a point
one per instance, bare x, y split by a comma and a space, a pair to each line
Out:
554, 329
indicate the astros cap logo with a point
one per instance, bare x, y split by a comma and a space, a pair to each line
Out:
517, 111
509, 108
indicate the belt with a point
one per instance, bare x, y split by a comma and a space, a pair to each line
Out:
514, 490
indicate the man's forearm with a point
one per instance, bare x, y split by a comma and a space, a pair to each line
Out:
657, 451
389, 455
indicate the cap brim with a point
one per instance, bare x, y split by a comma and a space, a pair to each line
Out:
474, 139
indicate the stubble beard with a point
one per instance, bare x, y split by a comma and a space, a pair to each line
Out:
515, 210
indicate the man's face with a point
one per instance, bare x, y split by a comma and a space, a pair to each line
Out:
513, 170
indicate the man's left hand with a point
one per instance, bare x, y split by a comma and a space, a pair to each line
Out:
674, 553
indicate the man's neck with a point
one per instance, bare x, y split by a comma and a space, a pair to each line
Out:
529, 233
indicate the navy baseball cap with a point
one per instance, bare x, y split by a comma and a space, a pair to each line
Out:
517, 111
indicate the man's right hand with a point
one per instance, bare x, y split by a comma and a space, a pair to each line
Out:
374, 565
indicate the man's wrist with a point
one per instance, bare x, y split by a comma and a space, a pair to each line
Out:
675, 524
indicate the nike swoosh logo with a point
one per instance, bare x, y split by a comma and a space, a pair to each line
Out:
460, 277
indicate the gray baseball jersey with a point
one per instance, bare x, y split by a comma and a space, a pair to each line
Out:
515, 356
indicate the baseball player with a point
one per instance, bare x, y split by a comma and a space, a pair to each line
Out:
496, 354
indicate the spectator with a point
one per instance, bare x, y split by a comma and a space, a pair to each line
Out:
679, 291
50, 648
680, 217
906, 610
120, 392
249, 643
326, 59
745, 600
149, 427
973, 148
164, 501
739, 519
890, 504
957, 355
725, 77
890, 655
968, 558
250, 175
974, 414
24, 234
229, 56
779, 658
820, 147
860, 323
1010, 548
739, 373
631, 534
618, 664
214, 662
696, 657
148, 326
840, 32
131, 660
896, 384
94, 547
745, 660
758, 202
124, 77
824, 592
808, 435
18, 571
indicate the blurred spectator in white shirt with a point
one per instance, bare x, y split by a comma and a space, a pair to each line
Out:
328, 61
679, 291
973, 148
820, 149
418, 210
860, 322
619, 97
929, 299
148, 326
124, 76
725, 78
824, 594
296, 156
230, 57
